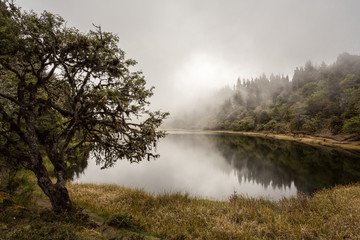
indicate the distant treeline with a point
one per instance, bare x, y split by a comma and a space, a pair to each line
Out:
319, 99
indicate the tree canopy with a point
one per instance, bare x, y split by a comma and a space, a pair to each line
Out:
63, 91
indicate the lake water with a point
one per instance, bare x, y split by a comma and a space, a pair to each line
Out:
214, 166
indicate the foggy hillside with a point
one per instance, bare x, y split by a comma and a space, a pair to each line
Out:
318, 99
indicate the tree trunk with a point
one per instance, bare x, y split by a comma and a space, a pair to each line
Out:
60, 199
57, 193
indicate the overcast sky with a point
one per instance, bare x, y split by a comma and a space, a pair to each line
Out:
187, 47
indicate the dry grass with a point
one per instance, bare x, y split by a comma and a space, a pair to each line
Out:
310, 140
306, 139
329, 214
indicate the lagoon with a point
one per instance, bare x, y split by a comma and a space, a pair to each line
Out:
216, 165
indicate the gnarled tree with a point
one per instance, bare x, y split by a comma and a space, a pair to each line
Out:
62, 90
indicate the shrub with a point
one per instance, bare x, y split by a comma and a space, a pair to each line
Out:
311, 125
335, 124
352, 125
270, 125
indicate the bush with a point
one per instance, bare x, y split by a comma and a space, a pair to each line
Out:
259, 127
311, 125
352, 125
270, 125
222, 125
335, 124
248, 123
297, 122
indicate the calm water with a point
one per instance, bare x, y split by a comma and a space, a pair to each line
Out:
213, 166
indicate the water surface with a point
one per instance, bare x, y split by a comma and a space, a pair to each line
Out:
214, 166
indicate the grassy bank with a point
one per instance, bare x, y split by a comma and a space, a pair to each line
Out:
329, 141
334, 141
122, 213
329, 214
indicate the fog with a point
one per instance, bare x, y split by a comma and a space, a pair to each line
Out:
186, 48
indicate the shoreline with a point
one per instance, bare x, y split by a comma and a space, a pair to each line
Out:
317, 140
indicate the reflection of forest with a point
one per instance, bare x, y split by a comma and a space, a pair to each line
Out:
267, 162
279, 163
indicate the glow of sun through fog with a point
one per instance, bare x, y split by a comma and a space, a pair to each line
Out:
201, 72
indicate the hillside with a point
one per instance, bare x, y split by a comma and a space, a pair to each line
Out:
321, 99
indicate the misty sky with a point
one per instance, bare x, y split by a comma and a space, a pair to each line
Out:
187, 47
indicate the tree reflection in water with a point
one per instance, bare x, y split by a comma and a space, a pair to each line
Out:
203, 164
269, 161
